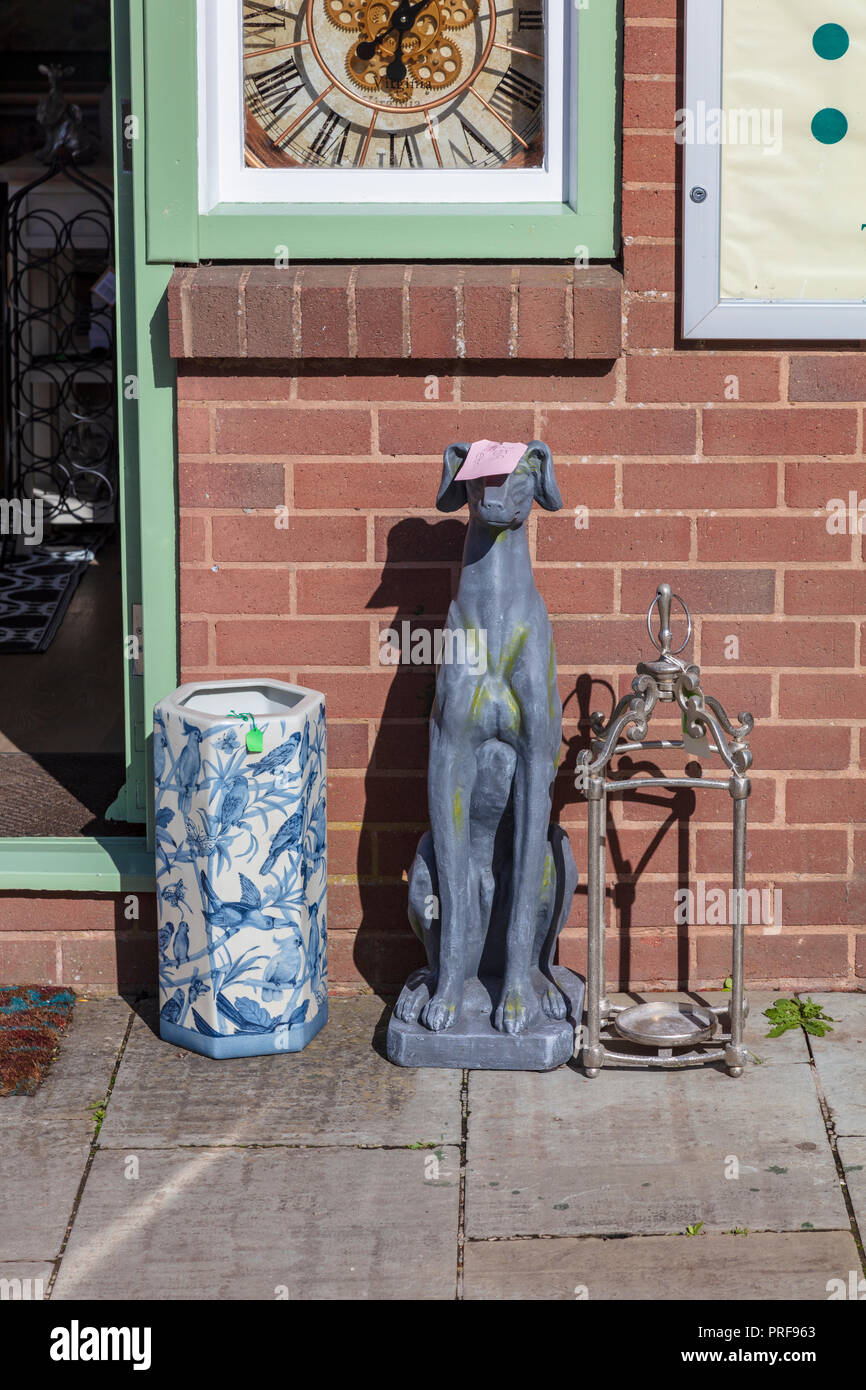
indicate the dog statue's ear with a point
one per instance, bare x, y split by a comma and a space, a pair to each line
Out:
540, 459
452, 495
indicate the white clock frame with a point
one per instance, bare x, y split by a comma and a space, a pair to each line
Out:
224, 178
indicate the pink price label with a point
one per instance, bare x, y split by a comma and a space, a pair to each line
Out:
487, 459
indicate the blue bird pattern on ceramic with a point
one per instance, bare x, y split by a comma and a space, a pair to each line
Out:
241, 855
160, 743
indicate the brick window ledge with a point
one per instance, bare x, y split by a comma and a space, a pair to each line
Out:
427, 312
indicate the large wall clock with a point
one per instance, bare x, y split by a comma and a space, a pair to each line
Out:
434, 84
443, 101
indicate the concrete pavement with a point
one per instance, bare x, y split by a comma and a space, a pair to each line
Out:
332, 1174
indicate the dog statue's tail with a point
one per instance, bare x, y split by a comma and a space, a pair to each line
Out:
561, 892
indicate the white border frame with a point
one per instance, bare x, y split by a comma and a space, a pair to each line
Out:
705, 313
224, 178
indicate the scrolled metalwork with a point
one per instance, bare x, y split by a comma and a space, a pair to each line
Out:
646, 687
747, 722
698, 721
58, 350
631, 713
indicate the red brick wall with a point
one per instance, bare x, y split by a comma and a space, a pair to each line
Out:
707, 495
100, 944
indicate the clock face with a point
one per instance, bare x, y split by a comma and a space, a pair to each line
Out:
392, 84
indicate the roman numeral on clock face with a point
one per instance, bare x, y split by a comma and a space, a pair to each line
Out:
260, 32
404, 156
530, 19
516, 87
475, 149
275, 86
262, 23
258, 39
329, 145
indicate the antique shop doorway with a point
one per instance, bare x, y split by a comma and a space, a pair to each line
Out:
74, 729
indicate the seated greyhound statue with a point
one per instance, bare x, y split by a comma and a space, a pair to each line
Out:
492, 883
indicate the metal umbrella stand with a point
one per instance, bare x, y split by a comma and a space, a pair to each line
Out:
682, 1034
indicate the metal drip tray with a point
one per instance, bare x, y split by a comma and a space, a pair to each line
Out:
663, 1024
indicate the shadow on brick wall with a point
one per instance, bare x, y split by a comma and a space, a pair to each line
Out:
135, 946
631, 848
418, 574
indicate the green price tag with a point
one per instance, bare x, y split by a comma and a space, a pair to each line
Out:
254, 735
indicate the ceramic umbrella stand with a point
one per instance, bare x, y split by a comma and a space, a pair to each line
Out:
681, 1034
241, 871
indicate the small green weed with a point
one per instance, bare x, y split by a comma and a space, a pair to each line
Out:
97, 1110
798, 1013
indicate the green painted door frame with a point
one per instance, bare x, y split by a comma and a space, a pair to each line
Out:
147, 454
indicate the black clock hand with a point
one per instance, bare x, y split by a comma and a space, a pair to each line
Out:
398, 19
402, 20
396, 69
368, 48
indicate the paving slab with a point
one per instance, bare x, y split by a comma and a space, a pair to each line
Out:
45, 1138
24, 1280
81, 1072
266, 1223
840, 1057
42, 1163
765, 1266
339, 1090
648, 1153
852, 1153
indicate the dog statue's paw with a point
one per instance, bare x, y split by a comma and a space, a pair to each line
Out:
514, 1010
551, 999
553, 1003
413, 996
441, 1012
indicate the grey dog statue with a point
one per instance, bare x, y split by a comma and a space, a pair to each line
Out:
492, 883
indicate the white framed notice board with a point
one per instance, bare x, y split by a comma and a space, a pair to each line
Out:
774, 138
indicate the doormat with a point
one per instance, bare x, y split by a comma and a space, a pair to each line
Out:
32, 1018
34, 595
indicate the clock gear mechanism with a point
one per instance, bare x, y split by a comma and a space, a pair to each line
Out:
400, 47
